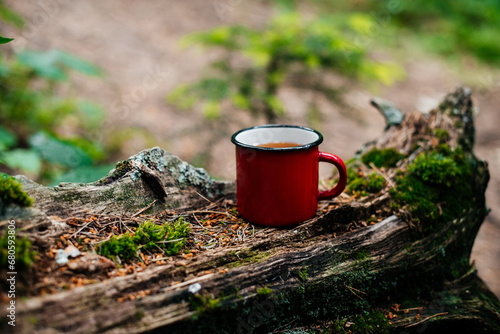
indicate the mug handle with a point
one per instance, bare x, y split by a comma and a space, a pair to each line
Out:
337, 190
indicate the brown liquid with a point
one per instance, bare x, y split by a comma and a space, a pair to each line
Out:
279, 145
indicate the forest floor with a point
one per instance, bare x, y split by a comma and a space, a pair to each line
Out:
135, 41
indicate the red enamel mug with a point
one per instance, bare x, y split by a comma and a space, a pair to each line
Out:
277, 174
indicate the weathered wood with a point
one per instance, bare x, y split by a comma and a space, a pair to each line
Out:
285, 278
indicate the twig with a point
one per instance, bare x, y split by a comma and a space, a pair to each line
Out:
128, 228
409, 309
206, 199
354, 293
81, 229
195, 218
168, 241
143, 209
432, 316
389, 181
210, 211
160, 258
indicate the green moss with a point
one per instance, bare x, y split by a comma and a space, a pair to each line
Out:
123, 246
387, 157
361, 255
203, 303
230, 292
436, 188
121, 168
168, 238
24, 255
11, 192
441, 134
370, 323
366, 323
264, 291
363, 185
437, 169
246, 257
337, 295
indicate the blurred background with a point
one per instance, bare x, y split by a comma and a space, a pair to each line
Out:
86, 84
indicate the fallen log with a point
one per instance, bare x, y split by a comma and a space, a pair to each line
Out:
370, 261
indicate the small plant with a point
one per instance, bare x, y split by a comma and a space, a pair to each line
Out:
387, 157
33, 115
442, 27
11, 192
290, 51
168, 238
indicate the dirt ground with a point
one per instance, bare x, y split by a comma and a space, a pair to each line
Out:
137, 44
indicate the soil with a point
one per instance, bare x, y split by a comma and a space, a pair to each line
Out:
137, 44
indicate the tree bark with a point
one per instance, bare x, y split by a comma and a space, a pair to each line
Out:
335, 266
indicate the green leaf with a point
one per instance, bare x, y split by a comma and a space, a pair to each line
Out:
58, 151
4, 40
7, 139
51, 64
26, 160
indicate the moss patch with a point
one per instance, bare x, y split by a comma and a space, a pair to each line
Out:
203, 303
168, 238
239, 259
366, 323
436, 188
11, 192
123, 246
387, 157
264, 291
442, 135
362, 185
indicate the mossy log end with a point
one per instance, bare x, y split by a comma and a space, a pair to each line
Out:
411, 267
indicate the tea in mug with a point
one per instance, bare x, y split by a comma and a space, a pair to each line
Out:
279, 145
